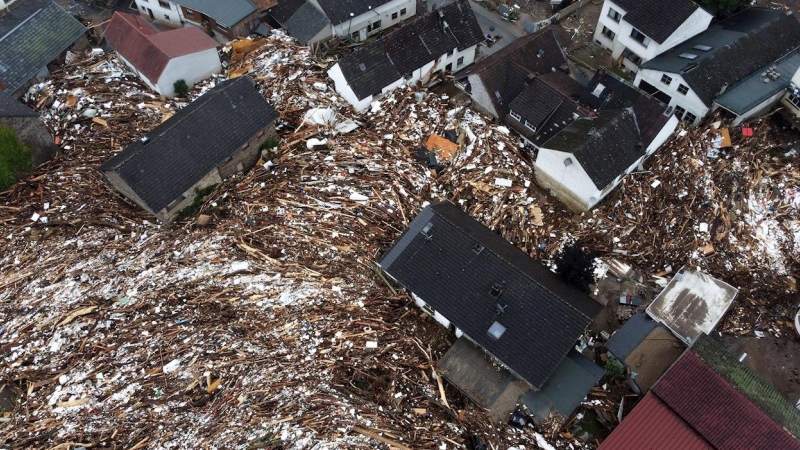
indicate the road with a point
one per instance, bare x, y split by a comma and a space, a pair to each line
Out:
491, 24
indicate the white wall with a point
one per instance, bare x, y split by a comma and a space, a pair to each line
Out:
482, 97
438, 317
382, 13
572, 178
689, 101
191, 68
159, 12
691, 27
344, 89
662, 135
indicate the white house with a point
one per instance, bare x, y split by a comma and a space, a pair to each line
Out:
442, 40
692, 75
636, 31
162, 58
589, 158
225, 20
791, 101
313, 21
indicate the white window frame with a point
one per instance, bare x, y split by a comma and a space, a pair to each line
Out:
684, 87
614, 15
514, 115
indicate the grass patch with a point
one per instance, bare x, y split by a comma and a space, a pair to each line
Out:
200, 195
15, 158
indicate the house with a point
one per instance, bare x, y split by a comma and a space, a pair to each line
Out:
692, 75
790, 103
647, 348
498, 79
226, 20
500, 303
692, 303
589, 158
636, 31
314, 21
214, 137
33, 33
442, 40
29, 128
162, 58
708, 400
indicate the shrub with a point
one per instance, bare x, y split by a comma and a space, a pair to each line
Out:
575, 266
181, 88
15, 158
200, 195
614, 370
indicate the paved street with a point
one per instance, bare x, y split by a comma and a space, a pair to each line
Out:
491, 24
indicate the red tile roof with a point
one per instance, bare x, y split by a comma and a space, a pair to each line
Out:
693, 401
653, 426
150, 50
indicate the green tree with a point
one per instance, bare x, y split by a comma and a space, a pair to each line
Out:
575, 266
722, 8
181, 88
15, 158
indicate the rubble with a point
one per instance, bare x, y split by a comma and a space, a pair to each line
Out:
264, 321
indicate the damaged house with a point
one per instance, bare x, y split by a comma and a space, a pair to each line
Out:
29, 128
314, 21
224, 20
516, 322
162, 58
443, 40
33, 33
214, 137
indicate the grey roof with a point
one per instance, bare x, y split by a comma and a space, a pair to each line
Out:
657, 19
465, 365
227, 12
197, 139
306, 23
604, 145
32, 34
548, 110
412, 46
740, 45
454, 272
339, 11
564, 391
750, 92
285, 10
630, 335
10, 107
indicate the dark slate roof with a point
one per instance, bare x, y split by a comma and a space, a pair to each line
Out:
193, 142
548, 110
757, 390
740, 45
306, 22
605, 145
752, 91
719, 412
564, 115
285, 10
564, 391
630, 335
228, 12
543, 316
32, 33
500, 71
10, 107
657, 19
410, 47
339, 11
619, 94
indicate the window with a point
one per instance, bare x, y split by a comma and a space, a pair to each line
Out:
394, 16
163, 4
460, 61
568, 162
689, 117
666, 79
376, 25
354, 35
530, 126
687, 56
403, 12
702, 48
683, 89
427, 308
794, 100
221, 26
166, 16
516, 116
608, 33
189, 11
679, 112
614, 15
637, 36
632, 57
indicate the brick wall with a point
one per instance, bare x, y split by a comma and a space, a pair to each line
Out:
247, 155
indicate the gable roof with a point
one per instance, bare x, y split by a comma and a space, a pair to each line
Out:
410, 47
194, 141
753, 90
542, 315
657, 19
150, 50
340, 11
32, 33
605, 145
11, 107
546, 109
302, 18
499, 72
228, 12
696, 396
564, 391
740, 45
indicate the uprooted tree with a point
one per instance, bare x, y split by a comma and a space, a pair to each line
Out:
575, 265
15, 158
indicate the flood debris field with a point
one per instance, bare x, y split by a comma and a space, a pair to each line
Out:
270, 325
